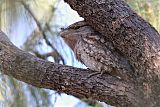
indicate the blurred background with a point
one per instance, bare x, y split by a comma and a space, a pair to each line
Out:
34, 26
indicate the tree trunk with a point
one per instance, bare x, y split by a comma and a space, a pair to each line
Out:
132, 37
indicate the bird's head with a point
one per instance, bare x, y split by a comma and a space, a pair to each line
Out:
73, 33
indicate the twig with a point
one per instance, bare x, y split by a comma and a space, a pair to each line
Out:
42, 31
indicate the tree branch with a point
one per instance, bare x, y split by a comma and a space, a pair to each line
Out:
131, 35
40, 73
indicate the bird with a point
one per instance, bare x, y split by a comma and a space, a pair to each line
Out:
93, 49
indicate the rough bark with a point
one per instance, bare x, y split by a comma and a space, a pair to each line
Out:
75, 81
132, 36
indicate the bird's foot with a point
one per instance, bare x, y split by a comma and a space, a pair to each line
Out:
94, 74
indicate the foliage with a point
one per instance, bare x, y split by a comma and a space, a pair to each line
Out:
148, 9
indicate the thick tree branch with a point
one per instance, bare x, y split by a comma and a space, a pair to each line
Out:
131, 35
40, 73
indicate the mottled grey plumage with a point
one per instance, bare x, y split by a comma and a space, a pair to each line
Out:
92, 49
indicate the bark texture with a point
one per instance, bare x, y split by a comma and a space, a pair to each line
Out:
75, 81
131, 36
